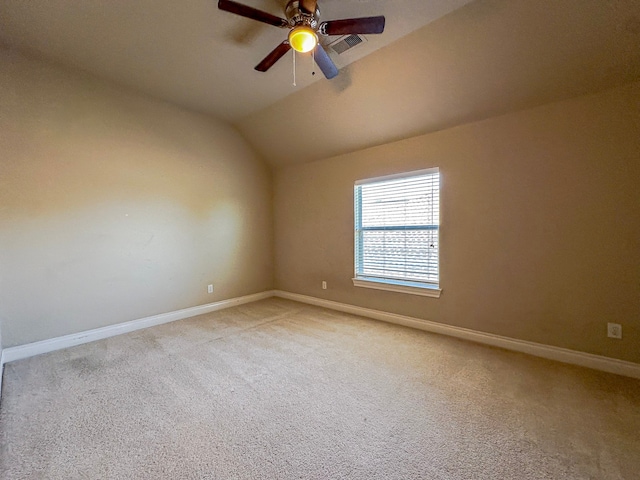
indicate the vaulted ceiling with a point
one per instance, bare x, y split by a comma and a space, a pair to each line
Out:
190, 52
439, 63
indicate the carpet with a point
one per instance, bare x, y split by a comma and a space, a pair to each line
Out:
281, 390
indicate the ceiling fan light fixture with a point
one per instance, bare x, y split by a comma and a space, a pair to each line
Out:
303, 39
303, 22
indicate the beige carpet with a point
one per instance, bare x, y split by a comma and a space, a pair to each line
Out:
281, 390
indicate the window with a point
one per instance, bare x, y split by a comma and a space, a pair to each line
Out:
397, 221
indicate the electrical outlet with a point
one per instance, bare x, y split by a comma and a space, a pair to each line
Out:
210, 288
324, 285
614, 330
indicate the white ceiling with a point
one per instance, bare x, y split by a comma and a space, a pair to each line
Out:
189, 52
430, 69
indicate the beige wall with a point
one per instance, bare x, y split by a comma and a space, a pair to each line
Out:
540, 235
114, 207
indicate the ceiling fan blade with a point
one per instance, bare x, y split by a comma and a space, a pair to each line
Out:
308, 6
353, 25
275, 55
252, 13
325, 63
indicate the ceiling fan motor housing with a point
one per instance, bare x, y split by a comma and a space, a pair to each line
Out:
297, 17
303, 21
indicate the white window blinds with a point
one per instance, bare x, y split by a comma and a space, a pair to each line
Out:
396, 228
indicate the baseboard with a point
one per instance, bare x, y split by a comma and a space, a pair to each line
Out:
1, 364
1, 371
597, 362
573, 357
20, 352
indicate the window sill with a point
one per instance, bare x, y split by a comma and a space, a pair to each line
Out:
412, 288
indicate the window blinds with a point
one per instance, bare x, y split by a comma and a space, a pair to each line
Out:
396, 227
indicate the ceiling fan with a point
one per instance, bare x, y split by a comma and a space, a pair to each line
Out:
303, 22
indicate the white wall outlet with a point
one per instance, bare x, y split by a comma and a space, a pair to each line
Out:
210, 288
324, 285
614, 330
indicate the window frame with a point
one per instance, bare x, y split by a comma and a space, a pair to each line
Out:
422, 288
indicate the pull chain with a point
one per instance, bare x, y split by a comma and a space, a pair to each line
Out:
294, 68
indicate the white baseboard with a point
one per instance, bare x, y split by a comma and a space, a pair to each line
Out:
573, 357
19, 352
1, 363
1, 370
